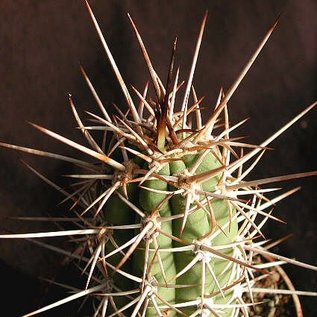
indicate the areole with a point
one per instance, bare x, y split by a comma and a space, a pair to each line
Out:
168, 222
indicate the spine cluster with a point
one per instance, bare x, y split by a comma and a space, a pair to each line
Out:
166, 219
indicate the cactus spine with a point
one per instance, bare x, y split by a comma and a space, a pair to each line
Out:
164, 221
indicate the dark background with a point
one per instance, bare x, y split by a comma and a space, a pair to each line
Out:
42, 44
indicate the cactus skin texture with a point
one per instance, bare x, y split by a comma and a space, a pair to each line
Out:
168, 222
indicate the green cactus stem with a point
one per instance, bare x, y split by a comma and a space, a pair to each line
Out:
166, 219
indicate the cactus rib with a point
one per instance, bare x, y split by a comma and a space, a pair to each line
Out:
165, 219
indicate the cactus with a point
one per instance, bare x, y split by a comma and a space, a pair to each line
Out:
168, 223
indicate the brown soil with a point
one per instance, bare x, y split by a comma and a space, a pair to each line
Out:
272, 305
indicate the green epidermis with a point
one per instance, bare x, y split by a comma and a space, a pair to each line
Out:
163, 266
197, 226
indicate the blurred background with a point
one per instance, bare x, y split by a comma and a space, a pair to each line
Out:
42, 44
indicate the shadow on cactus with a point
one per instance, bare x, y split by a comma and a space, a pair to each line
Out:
168, 223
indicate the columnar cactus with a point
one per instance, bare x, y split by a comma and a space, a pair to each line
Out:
168, 223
